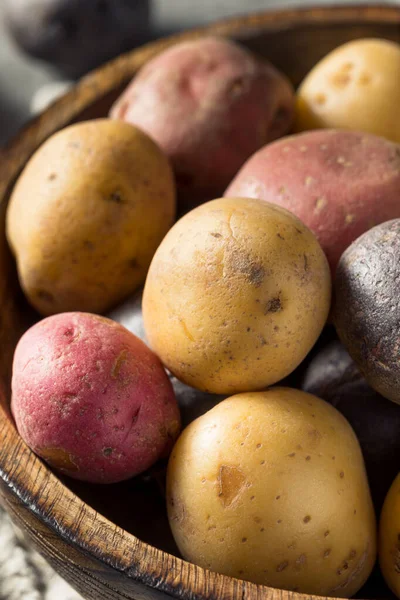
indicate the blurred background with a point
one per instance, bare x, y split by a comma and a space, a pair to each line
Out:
46, 44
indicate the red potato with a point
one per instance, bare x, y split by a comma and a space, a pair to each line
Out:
91, 399
209, 104
339, 183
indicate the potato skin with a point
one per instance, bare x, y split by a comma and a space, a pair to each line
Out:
271, 487
389, 538
357, 86
91, 399
339, 183
192, 403
87, 215
333, 376
367, 306
209, 104
236, 295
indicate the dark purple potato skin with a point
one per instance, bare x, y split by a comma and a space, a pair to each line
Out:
333, 376
75, 36
367, 306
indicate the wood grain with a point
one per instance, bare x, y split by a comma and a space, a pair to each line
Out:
98, 557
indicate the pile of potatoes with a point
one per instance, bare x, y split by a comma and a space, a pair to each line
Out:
284, 198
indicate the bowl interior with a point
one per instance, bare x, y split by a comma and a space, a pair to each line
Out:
138, 505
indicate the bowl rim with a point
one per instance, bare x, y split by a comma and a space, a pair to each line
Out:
22, 473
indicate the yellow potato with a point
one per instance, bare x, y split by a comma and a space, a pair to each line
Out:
357, 86
271, 487
87, 215
389, 538
237, 294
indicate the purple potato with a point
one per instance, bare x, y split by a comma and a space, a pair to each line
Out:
367, 306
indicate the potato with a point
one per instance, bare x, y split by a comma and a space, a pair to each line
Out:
236, 295
367, 306
357, 86
339, 183
334, 376
209, 104
389, 538
91, 399
87, 215
270, 487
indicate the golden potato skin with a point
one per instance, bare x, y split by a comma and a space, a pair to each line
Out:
389, 538
357, 86
236, 295
87, 215
271, 487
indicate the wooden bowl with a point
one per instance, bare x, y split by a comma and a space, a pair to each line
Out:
114, 542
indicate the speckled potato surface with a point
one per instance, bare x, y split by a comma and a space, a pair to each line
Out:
357, 86
236, 295
91, 399
367, 306
271, 487
87, 214
389, 538
339, 183
209, 103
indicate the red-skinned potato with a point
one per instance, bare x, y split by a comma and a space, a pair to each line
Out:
339, 183
91, 399
209, 104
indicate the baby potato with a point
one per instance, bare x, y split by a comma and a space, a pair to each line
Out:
271, 487
91, 399
339, 183
236, 295
357, 86
209, 103
389, 538
367, 306
87, 214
